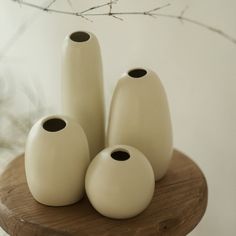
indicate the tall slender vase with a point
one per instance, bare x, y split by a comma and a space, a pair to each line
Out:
139, 117
82, 86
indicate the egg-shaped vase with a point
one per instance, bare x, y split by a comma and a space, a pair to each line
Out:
120, 182
82, 86
140, 117
56, 160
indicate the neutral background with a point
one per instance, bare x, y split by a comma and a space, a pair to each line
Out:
197, 68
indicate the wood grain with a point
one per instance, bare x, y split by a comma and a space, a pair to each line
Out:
178, 205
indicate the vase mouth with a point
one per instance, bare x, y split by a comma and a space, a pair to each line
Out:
54, 124
80, 36
137, 73
120, 154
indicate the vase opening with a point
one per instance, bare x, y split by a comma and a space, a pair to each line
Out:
54, 124
120, 155
137, 73
79, 36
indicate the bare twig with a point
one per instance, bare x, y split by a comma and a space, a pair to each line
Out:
110, 7
184, 10
87, 14
182, 14
70, 3
28, 4
110, 3
116, 17
156, 9
50, 4
203, 25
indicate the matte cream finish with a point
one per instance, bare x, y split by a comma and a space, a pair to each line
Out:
56, 162
82, 88
120, 189
139, 117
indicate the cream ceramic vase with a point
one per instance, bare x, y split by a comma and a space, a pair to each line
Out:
140, 117
120, 182
56, 160
82, 86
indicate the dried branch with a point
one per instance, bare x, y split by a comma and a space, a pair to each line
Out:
110, 3
110, 7
156, 9
87, 14
70, 3
50, 4
184, 10
198, 23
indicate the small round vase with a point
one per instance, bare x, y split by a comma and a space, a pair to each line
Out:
140, 117
120, 182
56, 160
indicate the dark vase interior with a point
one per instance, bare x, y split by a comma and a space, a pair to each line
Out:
54, 124
120, 155
137, 73
79, 36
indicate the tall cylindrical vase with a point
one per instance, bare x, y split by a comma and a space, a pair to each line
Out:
82, 86
139, 117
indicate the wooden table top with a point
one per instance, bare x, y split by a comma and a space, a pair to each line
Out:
178, 205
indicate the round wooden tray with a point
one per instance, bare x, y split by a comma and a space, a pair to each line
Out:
178, 204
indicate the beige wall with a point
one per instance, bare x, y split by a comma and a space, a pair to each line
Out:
197, 68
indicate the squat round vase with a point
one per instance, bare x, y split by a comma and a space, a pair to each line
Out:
82, 86
140, 117
120, 182
56, 160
